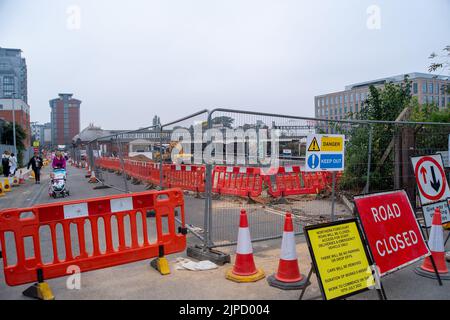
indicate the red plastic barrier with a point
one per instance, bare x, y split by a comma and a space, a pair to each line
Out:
187, 177
237, 181
289, 181
85, 217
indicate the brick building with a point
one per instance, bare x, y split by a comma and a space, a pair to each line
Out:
65, 119
22, 115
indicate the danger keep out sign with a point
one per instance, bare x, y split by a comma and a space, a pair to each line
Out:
325, 152
391, 229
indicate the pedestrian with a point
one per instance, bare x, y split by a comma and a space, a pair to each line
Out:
59, 162
12, 165
36, 164
5, 163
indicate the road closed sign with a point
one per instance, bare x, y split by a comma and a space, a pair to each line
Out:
340, 258
430, 177
391, 229
325, 152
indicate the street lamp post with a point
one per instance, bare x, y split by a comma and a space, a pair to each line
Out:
14, 123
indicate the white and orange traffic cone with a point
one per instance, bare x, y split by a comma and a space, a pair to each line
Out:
244, 269
288, 276
88, 175
436, 245
21, 179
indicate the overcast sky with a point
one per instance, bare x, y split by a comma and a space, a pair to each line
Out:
129, 60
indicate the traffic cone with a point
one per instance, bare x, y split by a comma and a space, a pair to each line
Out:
288, 276
2, 191
6, 185
15, 181
88, 175
21, 179
436, 245
244, 269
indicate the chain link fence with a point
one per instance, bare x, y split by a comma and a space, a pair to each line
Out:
230, 160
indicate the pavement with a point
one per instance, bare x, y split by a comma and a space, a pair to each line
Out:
139, 281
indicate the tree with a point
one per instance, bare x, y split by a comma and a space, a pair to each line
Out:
430, 138
441, 62
384, 103
8, 138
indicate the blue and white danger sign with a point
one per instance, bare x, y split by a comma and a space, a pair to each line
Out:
325, 152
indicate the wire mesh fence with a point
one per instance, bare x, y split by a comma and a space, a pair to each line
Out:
230, 160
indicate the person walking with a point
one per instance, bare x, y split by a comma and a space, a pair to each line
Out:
59, 162
5, 163
36, 164
12, 165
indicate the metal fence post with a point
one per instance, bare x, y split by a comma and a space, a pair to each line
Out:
161, 173
333, 196
369, 159
122, 163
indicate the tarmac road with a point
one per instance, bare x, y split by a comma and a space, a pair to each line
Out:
139, 281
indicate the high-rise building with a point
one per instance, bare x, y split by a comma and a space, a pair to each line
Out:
65, 119
13, 75
37, 132
428, 88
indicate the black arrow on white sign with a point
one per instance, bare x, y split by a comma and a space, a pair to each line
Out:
435, 184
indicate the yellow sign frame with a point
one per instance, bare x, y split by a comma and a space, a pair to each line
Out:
340, 274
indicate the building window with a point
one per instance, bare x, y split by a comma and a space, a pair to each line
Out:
443, 102
340, 99
424, 99
424, 87
431, 99
415, 89
436, 88
430, 87
8, 86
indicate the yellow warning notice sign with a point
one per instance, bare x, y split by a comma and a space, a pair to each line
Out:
335, 143
314, 146
340, 258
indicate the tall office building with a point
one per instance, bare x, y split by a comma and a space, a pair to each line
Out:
65, 119
428, 88
13, 75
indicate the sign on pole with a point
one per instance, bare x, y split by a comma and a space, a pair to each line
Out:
430, 177
391, 229
340, 258
445, 158
428, 212
325, 152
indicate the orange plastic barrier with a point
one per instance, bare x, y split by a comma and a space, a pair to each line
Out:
187, 177
119, 243
237, 181
289, 181
234, 181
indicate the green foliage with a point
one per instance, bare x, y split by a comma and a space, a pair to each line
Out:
8, 138
382, 104
430, 139
441, 62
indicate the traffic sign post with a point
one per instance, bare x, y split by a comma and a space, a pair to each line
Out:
325, 153
431, 180
340, 259
394, 236
428, 212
